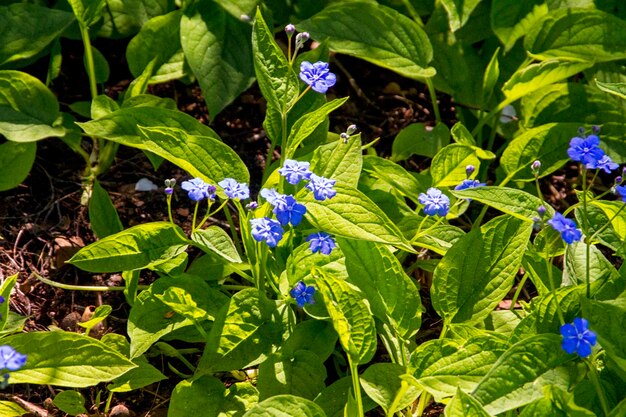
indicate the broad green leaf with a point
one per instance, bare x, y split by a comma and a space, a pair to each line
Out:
464, 405
393, 297
512, 19
16, 160
351, 214
302, 261
511, 201
353, 28
285, 405
134, 248
277, 80
448, 167
124, 18
150, 101
618, 89
65, 359
547, 143
611, 209
339, 161
518, 367
302, 374
28, 109
606, 318
159, 37
490, 78
439, 239
240, 9
538, 76
334, 398
27, 29
479, 270
215, 239
579, 35
459, 12
70, 402
100, 64
102, 213
150, 319
543, 407
102, 105
618, 411
317, 336
218, 50
10, 409
200, 397
5, 291
100, 313
419, 139
575, 267
400, 179
461, 135
244, 330
87, 12
351, 317
384, 384
179, 300
598, 220
307, 124
239, 397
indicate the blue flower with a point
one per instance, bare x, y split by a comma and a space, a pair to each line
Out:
322, 187
198, 190
321, 242
303, 294
268, 230
288, 210
234, 189
435, 202
621, 191
469, 184
567, 228
605, 163
10, 359
271, 195
585, 150
294, 171
578, 338
317, 76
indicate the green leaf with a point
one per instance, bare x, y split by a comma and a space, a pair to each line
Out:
517, 203
201, 397
181, 302
606, 317
87, 12
134, 248
240, 9
612, 210
461, 135
245, 329
399, 178
439, 239
239, 397
150, 319
459, 12
70, 402
159, 37
27, 108
124, 18
512, 19
576, 264
543, 407
518, 367
579, 35
317, 336
302, 373
339, 161
27, 29
419, 139
285, 405
537, 76
5, 291
100, 313
463, 405
307, 124
56, 59
448, 167
351, 214
102, 213
393, 296
65, 359
101, 66
10, 409
334, 399
302, 261
218, 50
490, 78
384, 384
353, 28
598, 220
467, 288
350, 315
547, 143
16, 160
618, 89
277, 80
214, 239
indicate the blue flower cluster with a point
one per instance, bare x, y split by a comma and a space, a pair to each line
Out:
566, 227
435, 202
10, 360
587, 150
198, 190
577, 338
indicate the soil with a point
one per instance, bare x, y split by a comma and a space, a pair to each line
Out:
43, 223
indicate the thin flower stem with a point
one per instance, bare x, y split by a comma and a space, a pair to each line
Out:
233, 229
518, 291
553, 290
423, 402
356, 386
91, 69
433, 98
585, 225
404, 386
413, 13
593, 376
82, 287
107, 406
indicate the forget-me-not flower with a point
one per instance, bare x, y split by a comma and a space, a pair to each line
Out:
268, 230
469, 184
317, 75
198, 190
303, 294
621, 191
294, 171
10, 359
322, 187
321, 242
566, 227
435, 202
288, 210
586, 150
577, 338
271, 195
605, 163
234, 189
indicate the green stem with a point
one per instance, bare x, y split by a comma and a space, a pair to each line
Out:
91, 69
404, 386
233, 229
520, 286
195, 215
414, 15
593, 376
423, 402
356, 386
433, 98
585, 226
559, 312
107, 406
82, 287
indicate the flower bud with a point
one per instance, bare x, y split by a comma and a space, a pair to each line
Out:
344, 137
618, 180
541, 210
169, 186
301, 38
245, 18
469, 170
253, 205
595, 129
536, 166
351, 129
581, 131
290, 30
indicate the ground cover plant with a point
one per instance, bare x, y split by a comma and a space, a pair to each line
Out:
469, 263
